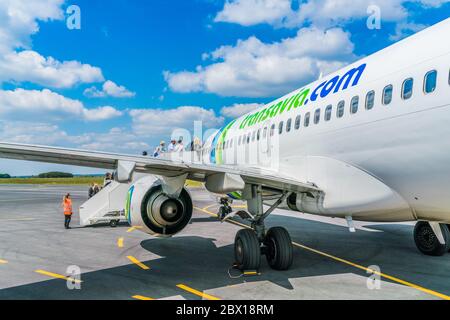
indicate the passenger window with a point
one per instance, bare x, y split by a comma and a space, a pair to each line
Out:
370, 100
340, 109
430, 81
248, 137
317, 116
272, 130
328, 111
306, 122
298, 120
258, 134
407, 88
288, 125
354, 104
265, 133
239, 141
387, 94
280, 127
253, 135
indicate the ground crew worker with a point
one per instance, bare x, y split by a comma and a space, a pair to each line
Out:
67, 206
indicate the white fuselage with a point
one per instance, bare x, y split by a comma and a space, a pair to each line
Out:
389, 163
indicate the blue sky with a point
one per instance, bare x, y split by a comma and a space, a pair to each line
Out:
137, 69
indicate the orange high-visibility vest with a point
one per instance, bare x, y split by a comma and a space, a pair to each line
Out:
67, 204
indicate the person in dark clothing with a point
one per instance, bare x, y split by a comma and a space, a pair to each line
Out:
96, 189
91, 191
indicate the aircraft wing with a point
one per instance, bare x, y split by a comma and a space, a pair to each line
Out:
144, 164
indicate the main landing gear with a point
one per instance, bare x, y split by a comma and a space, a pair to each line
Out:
432, 238
250, 244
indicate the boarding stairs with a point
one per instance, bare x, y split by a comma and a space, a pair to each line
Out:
107, 206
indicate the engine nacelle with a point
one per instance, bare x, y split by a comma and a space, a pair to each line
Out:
157, 213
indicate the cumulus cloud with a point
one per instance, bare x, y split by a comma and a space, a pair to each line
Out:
252, 68
109, 89
45, 103
114, 140
239, 109
19, 19
322, 13
251, 12
163, 121
30, 66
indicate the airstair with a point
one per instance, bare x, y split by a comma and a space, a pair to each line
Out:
107, 206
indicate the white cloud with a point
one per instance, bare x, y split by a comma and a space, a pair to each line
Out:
19, 19
163, 122
30, 66
114, 140
117, 140
252, 68
404, 29
109, 89
101, 113
45, 103
323, 13
251, 12
239, 109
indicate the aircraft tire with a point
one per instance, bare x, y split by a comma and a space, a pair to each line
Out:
279, 250
247, 250
426, 241
113, 223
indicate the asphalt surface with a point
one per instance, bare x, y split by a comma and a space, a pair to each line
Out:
124, 263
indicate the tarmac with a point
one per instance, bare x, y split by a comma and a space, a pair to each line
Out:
38, 257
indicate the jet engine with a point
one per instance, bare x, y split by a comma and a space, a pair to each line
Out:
156, 212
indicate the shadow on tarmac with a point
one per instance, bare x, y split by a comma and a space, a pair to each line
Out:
197, 262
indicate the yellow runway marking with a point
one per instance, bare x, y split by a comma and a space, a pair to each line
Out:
133, 228
57, 276
3, 261
138, 297
137, 262
386, 276
196, 292
207, 207
120, 242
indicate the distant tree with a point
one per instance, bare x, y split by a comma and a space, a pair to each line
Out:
4, 176
55, 175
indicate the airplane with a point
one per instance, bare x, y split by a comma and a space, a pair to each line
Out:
368, 142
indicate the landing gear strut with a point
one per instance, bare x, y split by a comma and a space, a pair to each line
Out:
250, 244
432, 241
